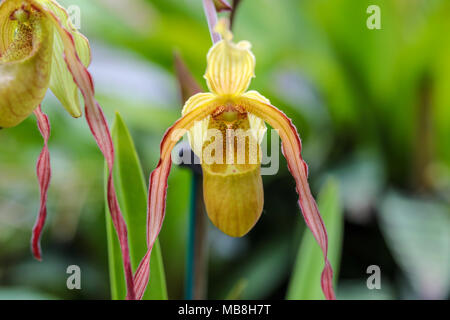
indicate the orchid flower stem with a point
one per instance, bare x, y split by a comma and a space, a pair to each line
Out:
189, 279
211, 17
197, 251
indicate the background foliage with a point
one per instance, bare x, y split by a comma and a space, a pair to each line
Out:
372, 108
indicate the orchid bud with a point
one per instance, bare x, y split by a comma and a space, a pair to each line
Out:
222, 5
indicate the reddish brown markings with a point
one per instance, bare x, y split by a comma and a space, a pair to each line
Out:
228, 108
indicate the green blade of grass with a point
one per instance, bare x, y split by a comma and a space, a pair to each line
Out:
132, 195
305, 278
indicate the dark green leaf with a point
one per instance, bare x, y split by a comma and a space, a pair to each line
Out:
132, 195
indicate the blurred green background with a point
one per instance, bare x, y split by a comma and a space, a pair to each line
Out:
372, 108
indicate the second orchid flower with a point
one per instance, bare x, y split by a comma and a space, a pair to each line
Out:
40, 49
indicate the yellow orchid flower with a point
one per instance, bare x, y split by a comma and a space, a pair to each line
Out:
233, 192
40, 49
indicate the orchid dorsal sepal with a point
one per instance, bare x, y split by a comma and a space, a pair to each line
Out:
230, 68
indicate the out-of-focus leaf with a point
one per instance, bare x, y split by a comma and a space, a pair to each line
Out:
22, 293
361, 179
132, 195
236, 291
417, 232
305, 279
357, 290
263, 270
188, 85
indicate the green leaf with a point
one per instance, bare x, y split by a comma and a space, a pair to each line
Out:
237, 290
417, 232
132, 195
305, 279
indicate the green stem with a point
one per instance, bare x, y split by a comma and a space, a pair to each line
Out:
196, 262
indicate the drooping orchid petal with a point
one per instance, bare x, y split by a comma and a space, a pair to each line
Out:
43, 171
100, 130
256, 104
232, 193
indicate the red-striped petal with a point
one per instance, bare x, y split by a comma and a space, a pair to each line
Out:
43, 171
292, 146
100, 130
